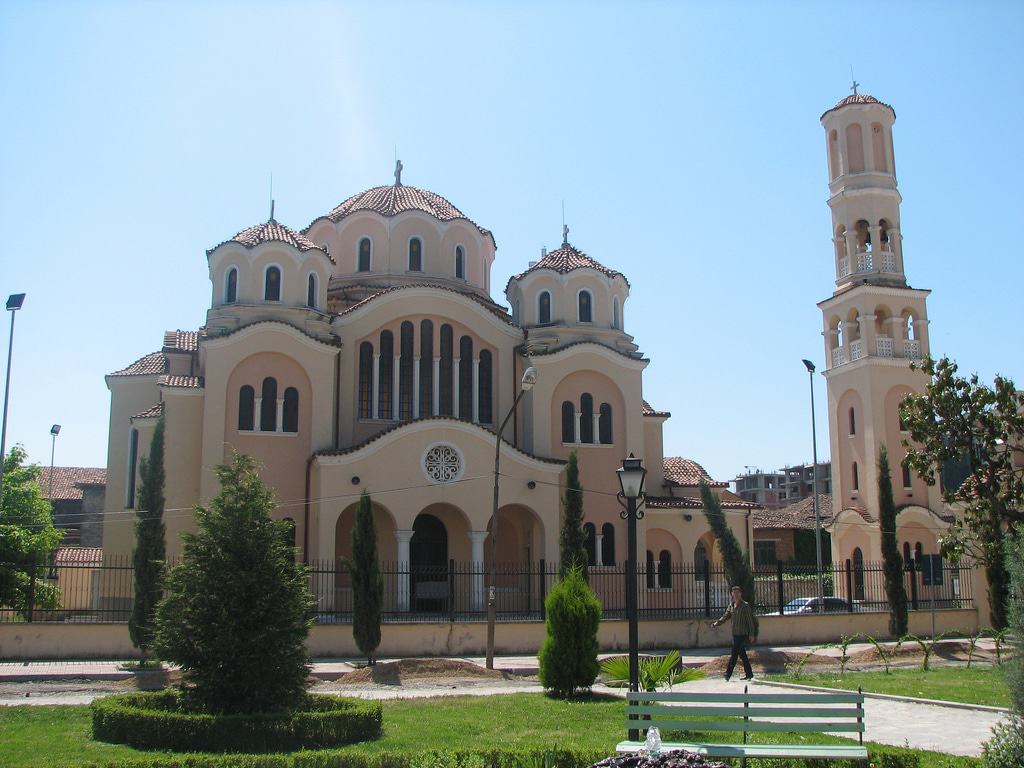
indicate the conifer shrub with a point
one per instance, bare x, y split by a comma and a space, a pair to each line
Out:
568, 657
895, 590
367, 583
150, 549
734, 559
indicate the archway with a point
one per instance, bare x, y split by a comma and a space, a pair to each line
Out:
428, 563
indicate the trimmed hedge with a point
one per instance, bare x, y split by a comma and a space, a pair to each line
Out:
161, 720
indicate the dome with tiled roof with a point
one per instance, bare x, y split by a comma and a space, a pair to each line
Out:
270, 231
858, 98
687, 472
565, 260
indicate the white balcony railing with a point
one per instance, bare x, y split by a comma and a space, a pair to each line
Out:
856, 349
865, 261
912, 349
888, 261
883, 260
844, 267
883, 346
837, 357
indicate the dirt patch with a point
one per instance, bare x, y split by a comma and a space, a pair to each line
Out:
911, 652
760, 660
397, 672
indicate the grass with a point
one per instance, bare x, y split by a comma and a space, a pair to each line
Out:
36, 737
977, 685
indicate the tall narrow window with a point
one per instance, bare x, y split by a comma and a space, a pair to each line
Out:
853, 422
544, 308
133, 462
906, 552
701, 563
486, 379
426, 368
908, 481
604, 424
858, 574
460, 262
918, 553
405, 372
586, 314
268, 405
386, 369
290, 411
447, 363
415, 255
651, 570
568, 422
856, 477
586, 418
590, 541
466, 378
311, 291
246, 408
665, 569
364, 255
366, 380
272, 284
608, 544
616, 323
231, 286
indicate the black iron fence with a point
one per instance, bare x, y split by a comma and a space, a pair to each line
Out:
102, 590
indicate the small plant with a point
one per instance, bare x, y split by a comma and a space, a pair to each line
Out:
654, 671
999, 636
1006, 747
972, 647
568, 658
880, 650
797, 670
844, 646
927, 647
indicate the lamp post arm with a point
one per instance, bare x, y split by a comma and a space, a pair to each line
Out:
7, 393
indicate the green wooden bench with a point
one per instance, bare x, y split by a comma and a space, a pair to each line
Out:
780, 712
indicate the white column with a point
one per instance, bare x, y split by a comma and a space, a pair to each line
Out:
456, 364
436, 391
395, 381
477, 538
598, 538
258, 406
375, 413
403, 537
280, 415
416, 387
476, 390
597, 427
578, 421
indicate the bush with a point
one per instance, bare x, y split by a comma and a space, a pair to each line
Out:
1006, 747
568, 657
162, 720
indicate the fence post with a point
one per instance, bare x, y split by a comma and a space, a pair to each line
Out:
543, 589
913, 584
781, 586
31, 602
849, 585
451, 590
707, 587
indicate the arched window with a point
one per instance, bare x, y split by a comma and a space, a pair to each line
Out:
586, 418
590, 542
311, 290
446, 394
485, 382
133, 465
272, 284
853, 422
665, 569
918, 553
366, 380
568, 422
246, 408
426, 369
856, 477
268, 405
615, 313
544, 308
586, 313
290, 411
415, 255
460, 262
386, 371
700, 560
833, 154
879, 161
651, 570
231, 286
908, 481
405, 367
607, 544
858, 574
365, 251
466, 378
855, 147
604, 425
906, 553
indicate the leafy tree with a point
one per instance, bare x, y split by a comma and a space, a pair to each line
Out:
367, 583
27, 534
235, 613
572, 543
892, 561
735, 560
960, 420
1014, 667
568, 657
150, 548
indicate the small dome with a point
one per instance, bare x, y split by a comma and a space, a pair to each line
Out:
565, 260
858, 98
270, 232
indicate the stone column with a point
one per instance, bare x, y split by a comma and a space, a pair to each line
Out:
375, 413
867, 334
436, 392
403, 537
395, 386
851, 249
476, 390
416, 411
848, 326
476, 539
456, 365
597, 426
258, 410
279, 423
598, 558
577, 420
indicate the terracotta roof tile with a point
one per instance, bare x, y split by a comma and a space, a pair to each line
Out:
687, 472
565, 260
67, 479
648, 410
150, 365
691, 502
150, 413
272, 231
181, 341
490, 306
858, 98
78, 556
187, 382
797, 515
398, 198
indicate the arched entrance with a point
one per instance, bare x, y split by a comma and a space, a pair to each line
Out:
428, 564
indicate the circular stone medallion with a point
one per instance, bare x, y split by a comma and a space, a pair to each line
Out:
442, 463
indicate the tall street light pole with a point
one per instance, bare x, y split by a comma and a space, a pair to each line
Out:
528, 380
631, 480
14, 302
814, 489
54, 431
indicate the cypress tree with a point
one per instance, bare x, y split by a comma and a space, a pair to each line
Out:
568, 657
572, 542
735, 560
367, 584
892, 561
150, 547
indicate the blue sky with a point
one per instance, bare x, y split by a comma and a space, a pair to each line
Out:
683, 138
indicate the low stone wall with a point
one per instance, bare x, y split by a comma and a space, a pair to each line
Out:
111, 641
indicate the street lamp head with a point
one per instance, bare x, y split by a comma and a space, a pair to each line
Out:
15, 300
631, 477
529, 379
55, 430
809, 366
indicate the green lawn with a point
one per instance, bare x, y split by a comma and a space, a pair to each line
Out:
977, 685
60, 736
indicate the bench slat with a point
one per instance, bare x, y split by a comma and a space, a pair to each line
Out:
752, 711
846, 697
837, 751
746, 725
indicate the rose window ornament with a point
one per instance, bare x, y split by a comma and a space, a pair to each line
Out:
442, 463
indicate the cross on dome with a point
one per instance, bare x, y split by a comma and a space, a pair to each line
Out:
398, 173
854, 87
565, 234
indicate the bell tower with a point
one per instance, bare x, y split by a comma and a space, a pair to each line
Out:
875, 325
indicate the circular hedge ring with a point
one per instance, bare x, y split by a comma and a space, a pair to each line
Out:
161, 720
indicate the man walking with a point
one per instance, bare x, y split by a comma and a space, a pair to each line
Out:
744, 629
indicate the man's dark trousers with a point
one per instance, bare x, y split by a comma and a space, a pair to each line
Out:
739, 648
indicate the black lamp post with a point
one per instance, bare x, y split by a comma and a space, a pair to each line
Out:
14, 302
631, 480
814, 489
54, 431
